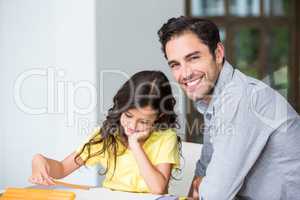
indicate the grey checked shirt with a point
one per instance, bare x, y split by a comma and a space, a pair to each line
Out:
251, 147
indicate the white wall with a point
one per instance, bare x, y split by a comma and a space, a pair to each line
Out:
127, 40
61, 34
42, 34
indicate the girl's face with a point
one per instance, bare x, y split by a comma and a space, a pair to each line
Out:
137, 120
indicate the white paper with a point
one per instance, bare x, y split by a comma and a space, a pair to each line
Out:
106, 194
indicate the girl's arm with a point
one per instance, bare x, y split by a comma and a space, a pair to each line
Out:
44, 170
156, 177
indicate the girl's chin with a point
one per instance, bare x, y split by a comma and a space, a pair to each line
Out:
128, 134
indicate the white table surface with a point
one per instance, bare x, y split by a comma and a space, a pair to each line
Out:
102, 193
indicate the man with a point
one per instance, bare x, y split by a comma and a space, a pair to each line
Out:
251, 144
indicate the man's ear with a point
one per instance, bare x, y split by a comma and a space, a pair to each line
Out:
219, 53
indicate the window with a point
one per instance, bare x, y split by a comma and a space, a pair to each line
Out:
260, 38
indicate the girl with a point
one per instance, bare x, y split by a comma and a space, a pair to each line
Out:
136, 144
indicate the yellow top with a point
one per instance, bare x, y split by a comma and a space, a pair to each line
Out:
160, 147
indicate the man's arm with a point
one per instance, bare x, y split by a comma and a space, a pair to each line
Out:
194, 191
238, 140
201, 166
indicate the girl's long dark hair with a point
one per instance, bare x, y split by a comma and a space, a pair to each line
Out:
145, 88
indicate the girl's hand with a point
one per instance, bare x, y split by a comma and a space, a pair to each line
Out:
135, 139
40, 171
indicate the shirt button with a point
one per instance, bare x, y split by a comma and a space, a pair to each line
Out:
208, 116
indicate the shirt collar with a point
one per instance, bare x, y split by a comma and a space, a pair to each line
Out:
225, 77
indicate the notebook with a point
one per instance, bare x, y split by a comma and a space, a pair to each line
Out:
36, 194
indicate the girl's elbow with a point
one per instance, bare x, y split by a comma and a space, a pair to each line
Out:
159, 190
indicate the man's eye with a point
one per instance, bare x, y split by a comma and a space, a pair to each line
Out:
174, 65
128, 115
194, 57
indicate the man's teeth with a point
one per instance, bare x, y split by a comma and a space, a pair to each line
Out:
192, 83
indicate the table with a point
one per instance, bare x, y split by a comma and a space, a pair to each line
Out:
103, 193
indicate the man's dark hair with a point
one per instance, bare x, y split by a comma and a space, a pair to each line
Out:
205, 30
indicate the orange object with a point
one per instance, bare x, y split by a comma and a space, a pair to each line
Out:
73, 186
36, 194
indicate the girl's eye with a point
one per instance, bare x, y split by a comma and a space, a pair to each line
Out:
145, 122
128, 115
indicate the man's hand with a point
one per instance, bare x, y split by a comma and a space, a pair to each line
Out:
194, 189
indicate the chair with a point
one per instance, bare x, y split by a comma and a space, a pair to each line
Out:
191, 153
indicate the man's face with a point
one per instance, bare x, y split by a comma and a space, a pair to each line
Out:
192, 64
